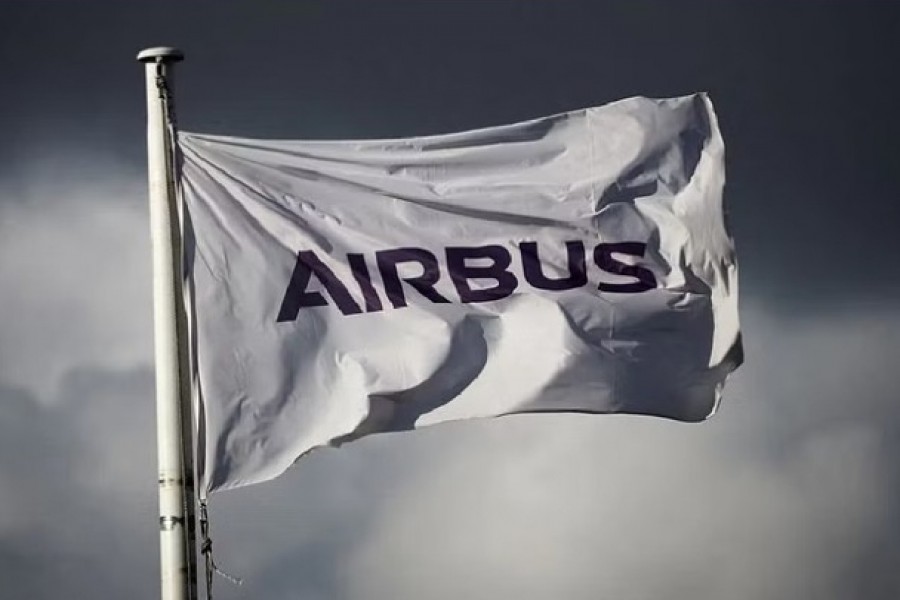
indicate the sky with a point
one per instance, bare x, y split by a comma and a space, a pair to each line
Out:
791, 491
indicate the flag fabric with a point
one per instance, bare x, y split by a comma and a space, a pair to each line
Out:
578, 262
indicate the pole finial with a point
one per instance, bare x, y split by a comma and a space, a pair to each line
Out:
160, 54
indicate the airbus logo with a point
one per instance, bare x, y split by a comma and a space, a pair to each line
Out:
463, 264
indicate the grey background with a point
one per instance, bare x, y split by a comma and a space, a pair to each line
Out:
792, 491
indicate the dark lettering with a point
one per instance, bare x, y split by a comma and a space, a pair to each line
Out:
388, 260
534, 274
296, 296
603, 256
461, 273
360, 271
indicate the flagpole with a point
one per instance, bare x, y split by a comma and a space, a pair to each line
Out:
173, 415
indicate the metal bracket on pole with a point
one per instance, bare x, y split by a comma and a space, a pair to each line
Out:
173, 412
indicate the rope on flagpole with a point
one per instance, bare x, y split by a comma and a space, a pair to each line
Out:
206, 549
162, 87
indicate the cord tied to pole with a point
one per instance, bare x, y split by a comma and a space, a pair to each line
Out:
206, 549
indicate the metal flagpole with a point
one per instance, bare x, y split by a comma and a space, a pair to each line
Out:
173, 413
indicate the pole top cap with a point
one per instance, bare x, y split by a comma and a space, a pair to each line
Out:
160, 54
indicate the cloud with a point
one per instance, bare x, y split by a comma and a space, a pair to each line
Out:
74, 272
768, 500
77, 489
789, 492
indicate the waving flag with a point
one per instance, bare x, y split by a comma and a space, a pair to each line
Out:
577, 262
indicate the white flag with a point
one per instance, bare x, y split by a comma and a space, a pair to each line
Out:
578, 262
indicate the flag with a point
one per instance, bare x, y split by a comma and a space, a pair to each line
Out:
578, 262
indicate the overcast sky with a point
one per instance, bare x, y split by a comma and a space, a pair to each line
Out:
791, 491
